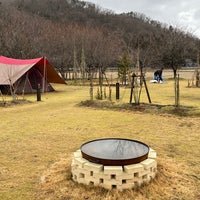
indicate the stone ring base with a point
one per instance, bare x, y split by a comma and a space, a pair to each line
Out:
113, 177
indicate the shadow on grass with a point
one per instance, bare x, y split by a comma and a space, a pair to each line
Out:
14, 102
183, 111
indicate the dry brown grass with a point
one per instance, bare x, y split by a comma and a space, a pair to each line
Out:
38, 139
170, 183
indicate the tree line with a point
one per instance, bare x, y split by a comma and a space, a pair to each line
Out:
79, 36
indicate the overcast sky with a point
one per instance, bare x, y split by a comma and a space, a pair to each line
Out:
183, 14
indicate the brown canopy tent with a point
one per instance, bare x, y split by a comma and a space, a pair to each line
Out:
23, 76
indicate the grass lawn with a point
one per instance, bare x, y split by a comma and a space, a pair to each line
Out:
37, 140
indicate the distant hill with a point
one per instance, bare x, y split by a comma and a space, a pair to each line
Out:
73, 31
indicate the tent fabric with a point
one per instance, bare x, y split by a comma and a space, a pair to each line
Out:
12, 70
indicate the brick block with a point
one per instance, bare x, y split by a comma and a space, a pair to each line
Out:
151, 150
124, 175
77, 154
91, 181
146, 171
107, 186
74, 177
138, 182
93, 167
79, 161
152, 175
73, 164
112, 186
148, 163
99, 175
78, 172
145, 176
126, 186
73, 169
152, 155
128, 181
86, 172
81, 180
113, 170
112, 181
131, 169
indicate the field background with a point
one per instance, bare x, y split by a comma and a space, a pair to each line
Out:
37, 140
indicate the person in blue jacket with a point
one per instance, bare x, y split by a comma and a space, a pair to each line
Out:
158, 75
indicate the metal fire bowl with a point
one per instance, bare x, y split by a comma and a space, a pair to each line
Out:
115, 151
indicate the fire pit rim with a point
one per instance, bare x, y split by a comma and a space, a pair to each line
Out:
115, 162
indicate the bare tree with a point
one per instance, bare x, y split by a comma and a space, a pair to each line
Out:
174, 50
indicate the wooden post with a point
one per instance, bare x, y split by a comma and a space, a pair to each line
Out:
38, 93
177, 91
147, 91
132, 87
44, 78
197, 78
91, 82
117, 91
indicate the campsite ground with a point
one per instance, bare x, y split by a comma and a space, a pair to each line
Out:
38, 139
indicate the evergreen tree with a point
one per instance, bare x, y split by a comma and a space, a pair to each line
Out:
124, 68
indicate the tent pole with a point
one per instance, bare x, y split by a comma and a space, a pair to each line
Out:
44, 74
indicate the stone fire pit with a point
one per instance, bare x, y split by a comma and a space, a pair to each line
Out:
114, 163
